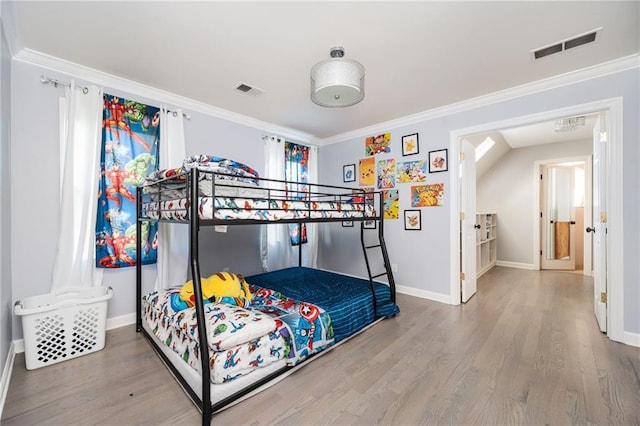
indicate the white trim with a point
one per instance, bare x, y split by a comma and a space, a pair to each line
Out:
6, 376
121, 321
517, 265
631, 339
114, 82
615, 260
423, 294
607, 68
537, 203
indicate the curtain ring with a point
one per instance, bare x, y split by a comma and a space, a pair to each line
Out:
85, 90
175, 113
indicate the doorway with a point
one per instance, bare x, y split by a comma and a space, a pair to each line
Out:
564, 197
610, 227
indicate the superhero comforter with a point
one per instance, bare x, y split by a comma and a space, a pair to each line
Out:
241, 339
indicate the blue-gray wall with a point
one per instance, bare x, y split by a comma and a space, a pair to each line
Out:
35, 145
423, 258
6, 294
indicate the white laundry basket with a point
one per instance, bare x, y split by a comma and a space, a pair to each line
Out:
63, 325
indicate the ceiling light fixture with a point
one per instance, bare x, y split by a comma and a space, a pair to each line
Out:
337, 82
569, 124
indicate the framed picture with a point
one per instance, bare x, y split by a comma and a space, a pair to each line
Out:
412, 220
410, 144
438, 161
349, 173
369, 224
347, 223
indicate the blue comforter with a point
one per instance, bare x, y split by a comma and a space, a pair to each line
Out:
347, 300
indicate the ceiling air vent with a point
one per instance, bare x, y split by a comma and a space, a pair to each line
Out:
561, 46
248, 89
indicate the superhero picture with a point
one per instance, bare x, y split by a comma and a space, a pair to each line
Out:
130, 137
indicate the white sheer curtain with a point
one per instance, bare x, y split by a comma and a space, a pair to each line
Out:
80, 146
277, 251
173, 239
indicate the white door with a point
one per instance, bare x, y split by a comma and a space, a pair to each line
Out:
598, 228
557, 227
468, 285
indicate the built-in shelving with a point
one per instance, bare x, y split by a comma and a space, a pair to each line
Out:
486, 242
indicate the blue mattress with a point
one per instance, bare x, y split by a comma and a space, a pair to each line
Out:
347, 300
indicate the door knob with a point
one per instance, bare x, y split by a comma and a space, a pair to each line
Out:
589, 229
476, 226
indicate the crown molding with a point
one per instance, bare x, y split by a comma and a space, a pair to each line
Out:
101, 78
109, 80
604, 69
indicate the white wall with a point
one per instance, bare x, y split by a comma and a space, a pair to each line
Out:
508, 189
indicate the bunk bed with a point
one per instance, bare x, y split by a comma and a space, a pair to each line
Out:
293, 315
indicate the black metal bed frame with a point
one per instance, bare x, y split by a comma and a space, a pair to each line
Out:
316, 192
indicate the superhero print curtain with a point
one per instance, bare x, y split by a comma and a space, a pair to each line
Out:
130, 137
296, 167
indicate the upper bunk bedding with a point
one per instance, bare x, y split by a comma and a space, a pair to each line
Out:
229, 190
347, 300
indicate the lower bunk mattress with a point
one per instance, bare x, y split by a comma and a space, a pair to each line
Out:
347, 300
272, 327
275, 331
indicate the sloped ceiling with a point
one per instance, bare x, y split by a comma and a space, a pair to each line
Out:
520, 137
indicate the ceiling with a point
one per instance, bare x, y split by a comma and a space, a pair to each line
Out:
418, 55
541, 133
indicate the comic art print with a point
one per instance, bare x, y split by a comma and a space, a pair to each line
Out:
391, 207
412, 171
386, 174
380, 144
431, 195
367, 172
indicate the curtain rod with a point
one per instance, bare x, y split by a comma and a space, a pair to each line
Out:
56, 83
85, 90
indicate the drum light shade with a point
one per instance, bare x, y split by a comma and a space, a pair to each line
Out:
337, 82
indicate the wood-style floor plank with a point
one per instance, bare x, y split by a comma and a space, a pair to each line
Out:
525, 350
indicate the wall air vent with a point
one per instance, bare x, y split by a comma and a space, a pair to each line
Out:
243, 87
570, 43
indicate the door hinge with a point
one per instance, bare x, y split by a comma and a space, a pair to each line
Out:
540, 176
603, 297
603, 217
461, 215
462, 156
540, 252
462, 276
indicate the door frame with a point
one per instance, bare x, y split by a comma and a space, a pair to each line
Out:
615, 261
537, 208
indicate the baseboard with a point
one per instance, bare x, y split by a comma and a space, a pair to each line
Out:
632, 339
517, 265
424, 294
121, 321
6, 376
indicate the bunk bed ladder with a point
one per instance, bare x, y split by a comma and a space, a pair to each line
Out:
385, 258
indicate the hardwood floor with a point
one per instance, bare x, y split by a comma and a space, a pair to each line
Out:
524, 350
